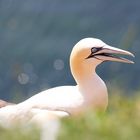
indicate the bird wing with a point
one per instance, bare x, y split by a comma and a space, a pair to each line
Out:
56, 102
61, 98
13, 116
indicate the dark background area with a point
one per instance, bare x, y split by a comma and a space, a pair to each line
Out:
36, 38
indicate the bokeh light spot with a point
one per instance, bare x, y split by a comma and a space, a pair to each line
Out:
23, 78
58, 64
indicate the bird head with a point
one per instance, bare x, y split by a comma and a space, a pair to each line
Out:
90, 52
95, 50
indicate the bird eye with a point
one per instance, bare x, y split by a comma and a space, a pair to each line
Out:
94, 50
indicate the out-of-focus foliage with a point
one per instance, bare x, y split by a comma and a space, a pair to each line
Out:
19, 134
119, 122
36, 38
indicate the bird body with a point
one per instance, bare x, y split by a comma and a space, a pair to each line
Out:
69, 98
90, 90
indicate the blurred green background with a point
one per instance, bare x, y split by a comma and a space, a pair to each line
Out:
36, 38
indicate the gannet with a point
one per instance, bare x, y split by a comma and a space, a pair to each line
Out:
90, 90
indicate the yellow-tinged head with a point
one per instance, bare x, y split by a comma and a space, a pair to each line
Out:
90, 52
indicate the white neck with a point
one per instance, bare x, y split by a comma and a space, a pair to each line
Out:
90, 84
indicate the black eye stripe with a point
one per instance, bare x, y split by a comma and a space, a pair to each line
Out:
93, 51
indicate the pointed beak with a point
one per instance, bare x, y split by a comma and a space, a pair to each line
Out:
108, 53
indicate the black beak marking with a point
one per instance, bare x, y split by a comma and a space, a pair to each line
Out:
93, 51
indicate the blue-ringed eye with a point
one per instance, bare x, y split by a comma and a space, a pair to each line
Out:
94, 49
